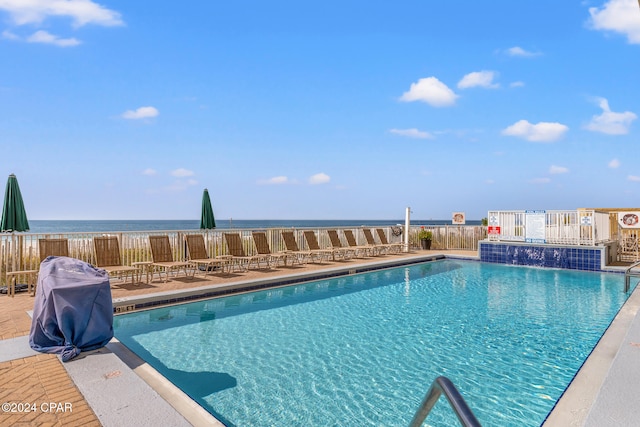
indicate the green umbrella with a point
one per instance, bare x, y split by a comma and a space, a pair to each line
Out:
207, 221
14, 217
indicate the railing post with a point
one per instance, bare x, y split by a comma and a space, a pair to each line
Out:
444, 385
407, 226
446, 232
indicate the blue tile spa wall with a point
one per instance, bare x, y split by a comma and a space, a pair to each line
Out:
573, 258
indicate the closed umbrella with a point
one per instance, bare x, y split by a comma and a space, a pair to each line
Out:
207, 220
14, 217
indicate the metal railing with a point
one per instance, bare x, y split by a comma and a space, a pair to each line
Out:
444, 385
628, 274
576, 227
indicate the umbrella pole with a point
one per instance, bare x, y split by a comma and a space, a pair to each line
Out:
19, 251
4, 257
13, 252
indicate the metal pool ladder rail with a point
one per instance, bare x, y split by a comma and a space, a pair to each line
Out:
628, 274
444, 385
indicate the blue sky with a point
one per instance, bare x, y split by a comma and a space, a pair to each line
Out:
319, 110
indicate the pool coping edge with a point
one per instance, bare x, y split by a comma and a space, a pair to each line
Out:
574, 406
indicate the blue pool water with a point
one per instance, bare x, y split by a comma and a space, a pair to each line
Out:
362, 350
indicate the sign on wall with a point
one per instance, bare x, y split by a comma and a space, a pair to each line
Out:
629, 219
534, 225
458, 218
586, 220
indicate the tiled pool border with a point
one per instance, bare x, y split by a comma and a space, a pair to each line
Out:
144, 302
588, 258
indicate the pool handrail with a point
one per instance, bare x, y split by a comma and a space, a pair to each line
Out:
444, 385
627, 275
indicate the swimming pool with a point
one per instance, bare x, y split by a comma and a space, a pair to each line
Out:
363, 349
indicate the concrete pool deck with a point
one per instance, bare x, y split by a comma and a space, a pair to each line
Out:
112, 387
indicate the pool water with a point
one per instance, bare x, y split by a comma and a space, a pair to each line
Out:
362, 350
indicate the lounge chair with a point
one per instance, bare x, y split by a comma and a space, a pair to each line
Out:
107, 250
393, 247
262, 246
47, 248
199, 257
239, 256
293, 249
314, 246
339, 249
53, 247
380, 248
162, 255
367, 250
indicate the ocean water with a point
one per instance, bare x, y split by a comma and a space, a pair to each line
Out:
80, 226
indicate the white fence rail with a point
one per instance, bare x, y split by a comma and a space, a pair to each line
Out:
451, 237
19, 251
579, 227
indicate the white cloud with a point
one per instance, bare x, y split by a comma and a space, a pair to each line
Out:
6, 34
634, 178
553, 170
274, 180
614, 164
412, 133
540, 180
140, 113
479, 79
81, 12
518, 51
182, 172
432, 91
47, 38
620, 16
489, 181
319, 178
181, 185
149, 172
42, 36
610, 122
516, 84
540, 132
